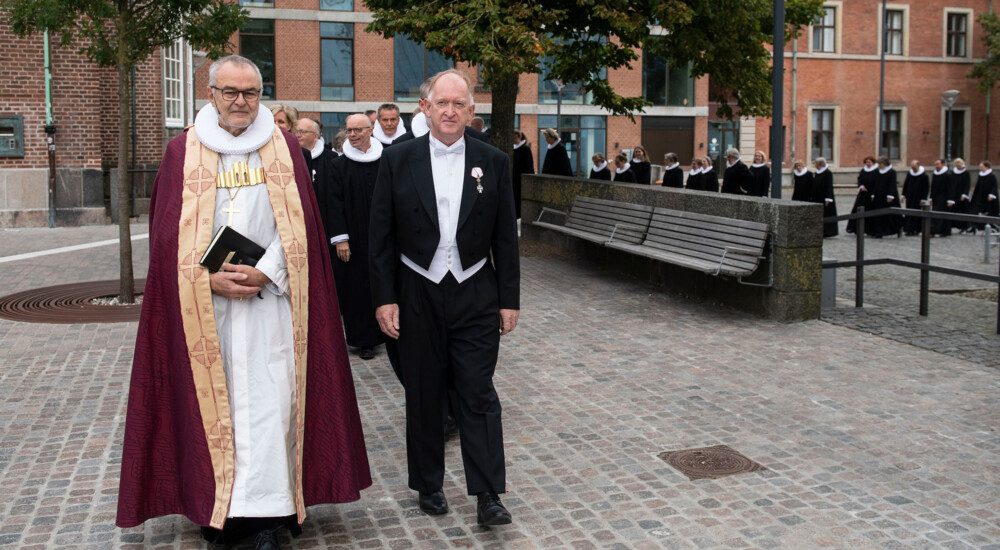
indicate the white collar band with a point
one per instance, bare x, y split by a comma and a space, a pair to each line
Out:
211, 135
801, 172
943, 170
374, 152
317, 149
870, 168
912, 173
601, 166
380, 135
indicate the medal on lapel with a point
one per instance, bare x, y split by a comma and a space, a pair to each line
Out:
477, 173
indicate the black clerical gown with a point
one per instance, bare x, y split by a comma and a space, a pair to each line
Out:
761, 180
695, 181
628, 176
915, 190
349, 203
866, 185
803, 187
602, 174
556, 161
641, 170
885, 195
984, 198
962, 183
737, 179
673, 178
823, 194
320, 169
710, 181
942, 191
524, 163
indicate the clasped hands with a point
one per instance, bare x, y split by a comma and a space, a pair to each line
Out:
237, 282
388, 320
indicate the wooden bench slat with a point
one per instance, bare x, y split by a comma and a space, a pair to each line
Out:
708, 238
670, 221
760, 226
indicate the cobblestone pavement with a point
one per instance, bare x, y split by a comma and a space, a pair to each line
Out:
867, 442
957, 326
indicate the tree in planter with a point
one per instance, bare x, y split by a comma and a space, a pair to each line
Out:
122, 34
506, 38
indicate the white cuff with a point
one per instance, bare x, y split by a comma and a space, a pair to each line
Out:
827, 201
991, 196
951, 203
890, 197
339, 238
965, 197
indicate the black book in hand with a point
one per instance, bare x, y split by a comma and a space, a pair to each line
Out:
230, 246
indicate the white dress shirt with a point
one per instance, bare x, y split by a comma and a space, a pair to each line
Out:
448, 169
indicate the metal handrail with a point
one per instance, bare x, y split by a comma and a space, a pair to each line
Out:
924, 264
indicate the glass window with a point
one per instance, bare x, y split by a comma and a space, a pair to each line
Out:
414, 64
891, 134
665, 85
572, 92
337, 53
824, 32
338, 5
332, 123
957, 140
957, 23
257, 3
173, 85
257, 45
582, 135
822, 134
894, 32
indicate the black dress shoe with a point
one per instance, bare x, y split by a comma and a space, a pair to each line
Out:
433, 503
367, 353
266, 540
490, 511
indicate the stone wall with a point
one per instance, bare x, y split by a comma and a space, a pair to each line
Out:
795, 250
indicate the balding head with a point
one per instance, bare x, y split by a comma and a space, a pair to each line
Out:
450, 105
307, 130
359, 132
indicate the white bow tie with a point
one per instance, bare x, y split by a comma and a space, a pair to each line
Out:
441, 150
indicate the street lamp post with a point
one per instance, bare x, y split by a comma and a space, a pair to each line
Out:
948, 98
559, 86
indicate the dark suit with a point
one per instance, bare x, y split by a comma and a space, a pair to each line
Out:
737, 179
449, 331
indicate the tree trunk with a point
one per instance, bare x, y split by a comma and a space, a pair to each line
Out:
126, 292
502, 118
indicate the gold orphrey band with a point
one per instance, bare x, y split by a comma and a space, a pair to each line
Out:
240, 175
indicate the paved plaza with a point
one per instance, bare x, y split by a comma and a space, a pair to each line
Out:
870, 438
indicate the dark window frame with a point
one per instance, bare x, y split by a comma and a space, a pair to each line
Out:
263, 35
892, 134
818, 42
894, 35
818, 151
957, 40
413, 93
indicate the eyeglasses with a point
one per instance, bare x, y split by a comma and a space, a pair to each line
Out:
350, 131
230, 94
301, 132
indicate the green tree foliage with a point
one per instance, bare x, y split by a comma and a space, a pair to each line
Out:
122, 34
987, 71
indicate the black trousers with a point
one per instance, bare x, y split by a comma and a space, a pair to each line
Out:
449, 337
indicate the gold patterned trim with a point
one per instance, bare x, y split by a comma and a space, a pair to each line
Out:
240, 175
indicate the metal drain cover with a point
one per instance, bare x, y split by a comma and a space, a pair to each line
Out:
709, 462
69, 304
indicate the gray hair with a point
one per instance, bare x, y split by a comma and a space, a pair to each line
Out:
455, 72
236, 60
733, 152
425, 88
315, 125
672, 157
820, 161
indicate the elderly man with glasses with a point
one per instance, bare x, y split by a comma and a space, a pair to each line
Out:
224, 424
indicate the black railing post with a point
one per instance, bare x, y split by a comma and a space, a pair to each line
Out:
925, 259
859, 271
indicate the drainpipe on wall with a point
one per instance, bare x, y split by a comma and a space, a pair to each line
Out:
988, 94
50, 130
795, 69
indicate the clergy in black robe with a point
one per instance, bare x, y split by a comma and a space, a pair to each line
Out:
802, 189
709, 179
962, 182
761, 175
915, 188
623, 170
318, 159
737, 179
866, 183
524, 163
389, 128
640, 165
984, 198
694, 181
349, 195
556, 161
823, 194
673, 176
942, 193
885, 195
600, 171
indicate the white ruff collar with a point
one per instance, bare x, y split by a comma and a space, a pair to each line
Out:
622, 170
601, 166
317, 149
672, 166
986, 173
869, 168
943, 170
728, 165
884, 170
706, 169
755, 165
823, 169
380, 134
801, 172
374, 152
211, 135
694, 172
558, 141
957, 171
418, 125
912, 173
518, 146
636, 160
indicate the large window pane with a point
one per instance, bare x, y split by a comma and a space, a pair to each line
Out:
338, 5
824, 32
654, 79
891, 134
956, 34
414, 64
822, 134
332, 123
337, 50
582, 135
894, 32
257, 45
